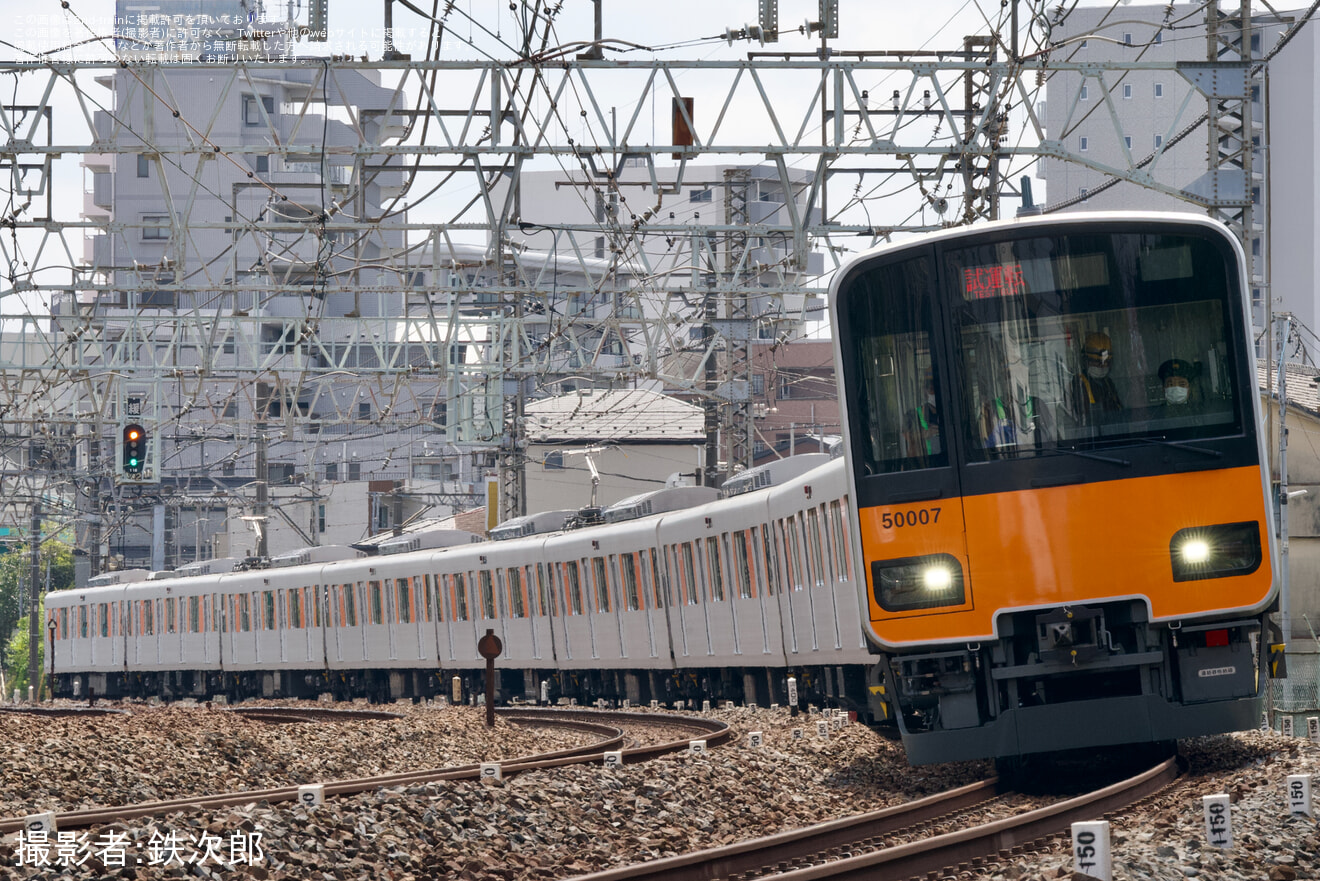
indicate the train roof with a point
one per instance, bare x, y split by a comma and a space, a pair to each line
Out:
428, 540
771, 474
532, 524
671, 498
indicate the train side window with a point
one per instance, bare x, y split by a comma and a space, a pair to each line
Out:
487, 592
546, 589
427, 598
656, 577
689, 575
572, 588
788, 540
742, 565
403, 600
628, 573
375, 603
244, 613
64, 623
460, 596
819, 552
761, 539
103, 614
517, 599
601, 581
351, 596
715, 559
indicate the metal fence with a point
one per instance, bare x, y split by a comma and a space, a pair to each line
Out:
1296, 698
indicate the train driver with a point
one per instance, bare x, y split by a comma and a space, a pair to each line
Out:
923, 425
1094, 392
1176, 376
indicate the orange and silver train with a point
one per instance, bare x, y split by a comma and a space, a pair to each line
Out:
1064, 523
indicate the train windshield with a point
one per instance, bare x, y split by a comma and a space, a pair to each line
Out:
1069, 341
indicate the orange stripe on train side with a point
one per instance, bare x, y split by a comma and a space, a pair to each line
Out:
1073, 544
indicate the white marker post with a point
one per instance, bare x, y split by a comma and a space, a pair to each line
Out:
705, 706
1287, 726
40, 822
311, 794
755, 739
792, 691
491, 771
798, 734
697, 747
1218, 820
1090, 845
613, 760
823, 730
1313, 729
1299, 794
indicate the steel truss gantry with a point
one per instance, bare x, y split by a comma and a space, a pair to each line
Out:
314, 295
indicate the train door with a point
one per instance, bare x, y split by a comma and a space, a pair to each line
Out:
721, 623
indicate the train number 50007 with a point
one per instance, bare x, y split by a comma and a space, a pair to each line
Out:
918, 517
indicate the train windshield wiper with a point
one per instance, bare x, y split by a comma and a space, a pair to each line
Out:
1161, 442
1096, 456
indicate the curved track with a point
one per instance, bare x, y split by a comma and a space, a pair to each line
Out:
588, 721
827, 850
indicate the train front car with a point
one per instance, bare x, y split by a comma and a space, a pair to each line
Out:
1053, 440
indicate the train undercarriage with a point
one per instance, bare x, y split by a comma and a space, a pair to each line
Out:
1074, 677
826, 686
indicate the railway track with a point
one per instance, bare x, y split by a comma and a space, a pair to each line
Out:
853, 848
603, 725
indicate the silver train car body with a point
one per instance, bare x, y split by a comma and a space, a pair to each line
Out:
721, 600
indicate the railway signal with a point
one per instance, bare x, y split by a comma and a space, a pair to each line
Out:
134, 449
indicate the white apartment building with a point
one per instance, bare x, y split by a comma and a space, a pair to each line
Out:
1155, 106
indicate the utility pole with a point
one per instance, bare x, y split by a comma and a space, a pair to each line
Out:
34, 579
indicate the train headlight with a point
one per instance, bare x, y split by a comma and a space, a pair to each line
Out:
1219, 551
927, 582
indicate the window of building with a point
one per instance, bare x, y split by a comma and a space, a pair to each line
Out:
252, 111
1083, 192
331, 472
364, 410
1083, 44
263, 165
1127, 90
1086, 92
354, 470
143, 165
1083, 144
700, 195
1255, 94
156, 227
554, 461
1127, 141
758, 384
1159, 141
320, 518
1159, 90
1255, 44
1127, 39
1159, 37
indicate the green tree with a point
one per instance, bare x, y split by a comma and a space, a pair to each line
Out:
14, 569
16, 657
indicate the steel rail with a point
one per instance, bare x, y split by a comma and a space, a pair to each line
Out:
582, 720
772, 857
756, 854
